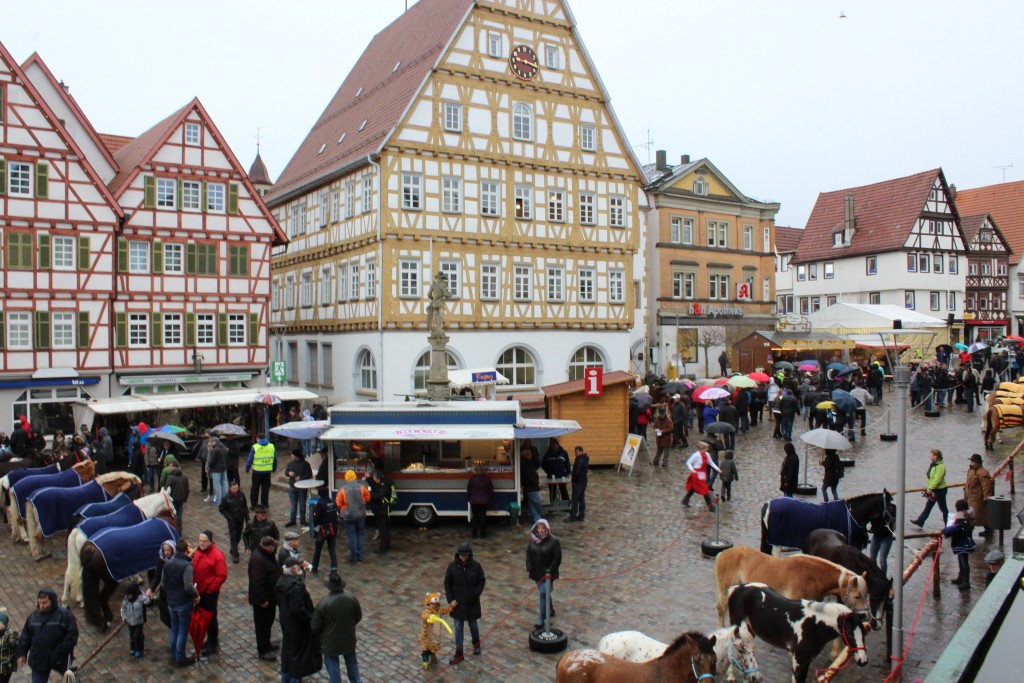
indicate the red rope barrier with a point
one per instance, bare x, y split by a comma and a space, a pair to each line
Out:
898, 671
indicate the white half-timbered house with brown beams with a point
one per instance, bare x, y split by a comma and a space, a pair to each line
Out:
986, 314
473, 139
58, 226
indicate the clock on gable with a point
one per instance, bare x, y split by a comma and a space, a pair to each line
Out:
523, 61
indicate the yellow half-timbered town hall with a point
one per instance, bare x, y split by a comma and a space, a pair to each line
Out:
473, 139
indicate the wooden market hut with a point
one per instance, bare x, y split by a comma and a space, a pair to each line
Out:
760, 349
604, 419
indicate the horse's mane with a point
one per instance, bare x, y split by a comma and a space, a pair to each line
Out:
114, 476
831, 610
863, 496
679, 643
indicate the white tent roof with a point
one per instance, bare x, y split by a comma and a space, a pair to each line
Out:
860, 316
148, 402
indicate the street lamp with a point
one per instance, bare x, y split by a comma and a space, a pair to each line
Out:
197, 361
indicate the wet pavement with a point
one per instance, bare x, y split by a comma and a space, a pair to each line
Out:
635, 563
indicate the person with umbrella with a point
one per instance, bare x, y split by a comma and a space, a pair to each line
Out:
300, 651
699, 463
210, 571
789, 473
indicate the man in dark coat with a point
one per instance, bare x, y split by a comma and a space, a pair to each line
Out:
463, 585
217, 469
334, 623
259, 527
543, 558
235, 509
19, 440
556, 464
263, 575
531, 486
790, 470
479, 490
103, 451
300, 651
382, 497
48, 640
297, 470
177, 485
788, 407
728, 414
580, 477
742, 403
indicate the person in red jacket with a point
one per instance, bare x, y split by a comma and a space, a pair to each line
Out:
209, 571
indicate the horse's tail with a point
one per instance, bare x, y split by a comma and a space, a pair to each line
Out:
766, 547
91, 586
33, 529
73, 574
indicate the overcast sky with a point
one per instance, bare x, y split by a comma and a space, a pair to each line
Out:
786, 98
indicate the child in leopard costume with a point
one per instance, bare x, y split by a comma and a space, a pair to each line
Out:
430, 633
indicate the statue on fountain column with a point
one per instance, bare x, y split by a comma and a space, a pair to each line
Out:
439, 294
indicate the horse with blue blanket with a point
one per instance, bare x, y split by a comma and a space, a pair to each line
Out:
113, 555
156, 505
50, 510
786, 522
79, 474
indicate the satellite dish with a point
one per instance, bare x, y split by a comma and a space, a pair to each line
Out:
842, 14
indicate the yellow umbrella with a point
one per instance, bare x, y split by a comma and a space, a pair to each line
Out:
826, 405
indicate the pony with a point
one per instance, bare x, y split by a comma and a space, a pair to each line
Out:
831, 545
803, 627
21, 490
796, 577
785, 522
690, 658
156, 505
50, 510
734, 649
1001, 416
113, 555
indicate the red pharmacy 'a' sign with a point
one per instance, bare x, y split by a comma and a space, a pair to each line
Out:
593, 382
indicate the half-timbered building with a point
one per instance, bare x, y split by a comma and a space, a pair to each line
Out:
896, 242
711, 264
131, 265
986, 315
473, 139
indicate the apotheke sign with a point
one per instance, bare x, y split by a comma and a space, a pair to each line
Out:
151, 380
715, 311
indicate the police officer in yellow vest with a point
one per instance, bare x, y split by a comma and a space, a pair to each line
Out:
262, 462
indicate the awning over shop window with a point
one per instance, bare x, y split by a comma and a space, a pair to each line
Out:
418, 432
204, 399
546, 429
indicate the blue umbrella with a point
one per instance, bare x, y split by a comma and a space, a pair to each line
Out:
844, 401
962, 347
809, 361
847, 370
835, 366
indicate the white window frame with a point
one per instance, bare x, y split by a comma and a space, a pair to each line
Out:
700, 187
306, 289
871, 265
522, 122
138, 330
951, 301
335, 205
522, 282
350, 199
718, 286
494, 45
556, 205
490, 198
551, 57
237, 322
451, 194
766, 289
828, 270
616, 286
908, 299
924, 263
452, 270
583, 358
687, 231
342, 282
289, 292
588, 208
138, 257
412, 192
767, 242
953, 264
812, 271
62, 325
326, 286
19, 330
371, 278
192, 134
801, 272
588, 285
588, 138
524, 202
934, 301
556, 284
675, 233
302, 215
324, 208
174, 330
748, 237
166, 190
20, 178
353, 281
453, 117
367, 371
206, 329
490, 281
367, 203
191, 195
409, 274
64, 249
938, 263
617, 211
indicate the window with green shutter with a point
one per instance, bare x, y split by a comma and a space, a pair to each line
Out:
205, 195
254, 329
120, 330
177, 196
83, 253
83, 329
19, 251
222, 329
42, 331
190, 329
190, 258
206, 258
149, 192
45, 255
122, 255
3, 330
157, 327
233, 198
42, 180
238, 261
3, 103
158, 257
3, 177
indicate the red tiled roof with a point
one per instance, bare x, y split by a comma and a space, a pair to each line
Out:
787, 239
884, 213
114, 143
1004, 202
970, 225
134, 153
258, 172
613, 377
416, 41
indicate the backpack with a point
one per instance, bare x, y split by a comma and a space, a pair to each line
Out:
329, 519
391, 499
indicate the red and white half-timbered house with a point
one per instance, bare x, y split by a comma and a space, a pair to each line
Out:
130, 265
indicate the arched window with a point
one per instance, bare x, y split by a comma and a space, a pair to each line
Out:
700, 186
422, 369
522, 121
367, 371
518, 365
585, 357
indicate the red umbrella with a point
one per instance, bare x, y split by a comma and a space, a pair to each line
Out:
198, 626
758, 376
714, 392
721, 381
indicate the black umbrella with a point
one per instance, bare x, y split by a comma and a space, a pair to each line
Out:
643, 400
845, 401
720, 428
674, 386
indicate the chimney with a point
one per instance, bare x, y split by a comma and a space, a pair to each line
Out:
952, 192
848, 218
684, 159
661, 160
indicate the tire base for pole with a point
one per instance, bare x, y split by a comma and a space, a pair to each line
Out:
548, 640
806, 490
887, 436
932, 413
711, 547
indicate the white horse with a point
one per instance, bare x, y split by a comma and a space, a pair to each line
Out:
154, 505
734, 648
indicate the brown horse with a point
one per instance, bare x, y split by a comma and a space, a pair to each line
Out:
1001, 416
691, 658
799, 577
86, 473
60, 516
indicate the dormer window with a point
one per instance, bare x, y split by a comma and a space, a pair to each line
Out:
363, 124
359, 92
700, 187
322, 148
342, 138
837, 239
397, 64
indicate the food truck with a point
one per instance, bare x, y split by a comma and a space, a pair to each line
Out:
430, 449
